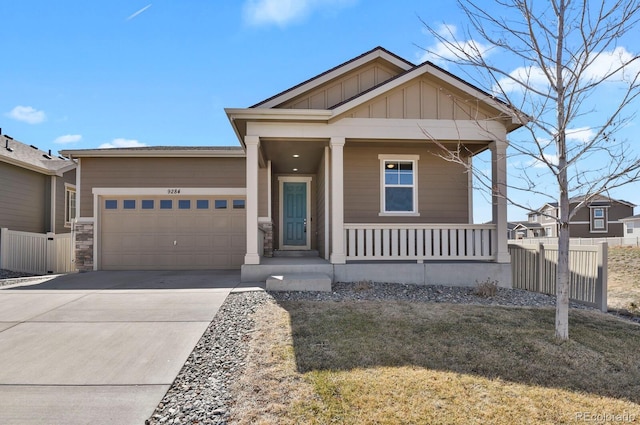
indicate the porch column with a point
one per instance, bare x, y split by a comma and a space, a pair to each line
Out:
499, 198
337, 201
252, 144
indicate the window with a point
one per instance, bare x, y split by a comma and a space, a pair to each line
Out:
238, 204
630, 227
111, 204
202, 204
69, 204
184, 204
129, 204
548, 231
598, 212
598, 219
398, 184
166, 204
221, 204
598, 224
147, 204
533, 218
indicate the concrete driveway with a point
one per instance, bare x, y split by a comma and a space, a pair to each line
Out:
100, 347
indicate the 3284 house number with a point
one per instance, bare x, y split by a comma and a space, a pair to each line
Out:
173, 191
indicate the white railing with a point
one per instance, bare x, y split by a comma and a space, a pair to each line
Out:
37, 253
420, 241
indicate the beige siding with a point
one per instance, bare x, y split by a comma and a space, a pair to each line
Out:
320, 214
423, 98
344, 87
70, 178
23, 195
443, 192
157, 172
263, 192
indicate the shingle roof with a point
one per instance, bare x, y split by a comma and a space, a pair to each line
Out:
29, 156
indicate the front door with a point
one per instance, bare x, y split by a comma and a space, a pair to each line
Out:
294, 214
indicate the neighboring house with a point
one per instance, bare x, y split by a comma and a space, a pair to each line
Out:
347, 165
601, 217
37, 193
631, 226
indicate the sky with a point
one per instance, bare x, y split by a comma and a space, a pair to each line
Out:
125, 73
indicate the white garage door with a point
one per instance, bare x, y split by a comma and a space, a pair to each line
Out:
176, 233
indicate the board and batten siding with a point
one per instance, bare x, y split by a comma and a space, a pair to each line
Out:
23, 199
70, 178
158, 172
423, 98
443, 187
344, 87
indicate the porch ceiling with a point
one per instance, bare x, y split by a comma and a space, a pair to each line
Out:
281, 153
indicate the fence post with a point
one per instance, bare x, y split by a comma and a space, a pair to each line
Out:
4, 233
50, 253
601, 283
540, 263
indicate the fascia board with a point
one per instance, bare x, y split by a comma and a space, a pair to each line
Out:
318, 81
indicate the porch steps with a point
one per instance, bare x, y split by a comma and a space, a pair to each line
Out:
296, 253
299, 282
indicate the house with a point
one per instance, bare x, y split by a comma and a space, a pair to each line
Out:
631, 226
346, 167
599, 217
38, 190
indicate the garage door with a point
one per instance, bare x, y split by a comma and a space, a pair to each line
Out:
177, 233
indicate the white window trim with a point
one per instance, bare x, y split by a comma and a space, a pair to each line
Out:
593, 218
69, 188
406, 158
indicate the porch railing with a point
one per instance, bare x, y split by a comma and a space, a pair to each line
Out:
420, 241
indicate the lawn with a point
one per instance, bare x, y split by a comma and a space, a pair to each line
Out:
422, 363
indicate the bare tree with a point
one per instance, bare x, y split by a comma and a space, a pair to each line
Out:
572, 79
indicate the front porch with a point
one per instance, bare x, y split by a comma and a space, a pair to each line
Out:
429, 272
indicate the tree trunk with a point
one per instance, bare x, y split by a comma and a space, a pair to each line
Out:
562, 274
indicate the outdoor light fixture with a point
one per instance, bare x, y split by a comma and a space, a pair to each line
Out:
391, 165
295, 155
295, 169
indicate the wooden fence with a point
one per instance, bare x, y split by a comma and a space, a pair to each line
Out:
534, 269
613, 241
37, 253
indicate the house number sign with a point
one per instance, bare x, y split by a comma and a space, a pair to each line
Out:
173, 191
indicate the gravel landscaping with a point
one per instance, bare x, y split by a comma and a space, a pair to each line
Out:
7, 277
200, 394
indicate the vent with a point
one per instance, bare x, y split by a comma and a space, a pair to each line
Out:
6, 144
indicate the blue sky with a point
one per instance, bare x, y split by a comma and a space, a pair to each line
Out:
78, 74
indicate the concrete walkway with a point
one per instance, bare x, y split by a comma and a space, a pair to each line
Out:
100, 347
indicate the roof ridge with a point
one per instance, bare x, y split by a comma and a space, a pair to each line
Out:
377, 48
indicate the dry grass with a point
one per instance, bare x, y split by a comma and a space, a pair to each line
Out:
624, 278
422, 363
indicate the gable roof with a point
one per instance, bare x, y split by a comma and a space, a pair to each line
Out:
598, 200
373, 54
31, 158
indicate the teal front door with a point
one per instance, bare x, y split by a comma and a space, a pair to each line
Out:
294, 214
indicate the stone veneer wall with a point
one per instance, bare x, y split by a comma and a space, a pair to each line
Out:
268, 239
84, 246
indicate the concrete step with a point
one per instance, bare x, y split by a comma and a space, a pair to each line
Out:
299, 282
296, 253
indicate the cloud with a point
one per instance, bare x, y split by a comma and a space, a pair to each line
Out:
606, 62
549, 158
27, 114
122, 143
522, 78
68, 138
580, 134
284, 12
134, 14
441, 52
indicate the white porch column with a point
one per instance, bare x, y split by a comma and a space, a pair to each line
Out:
337, 201
252, 143
499, 198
